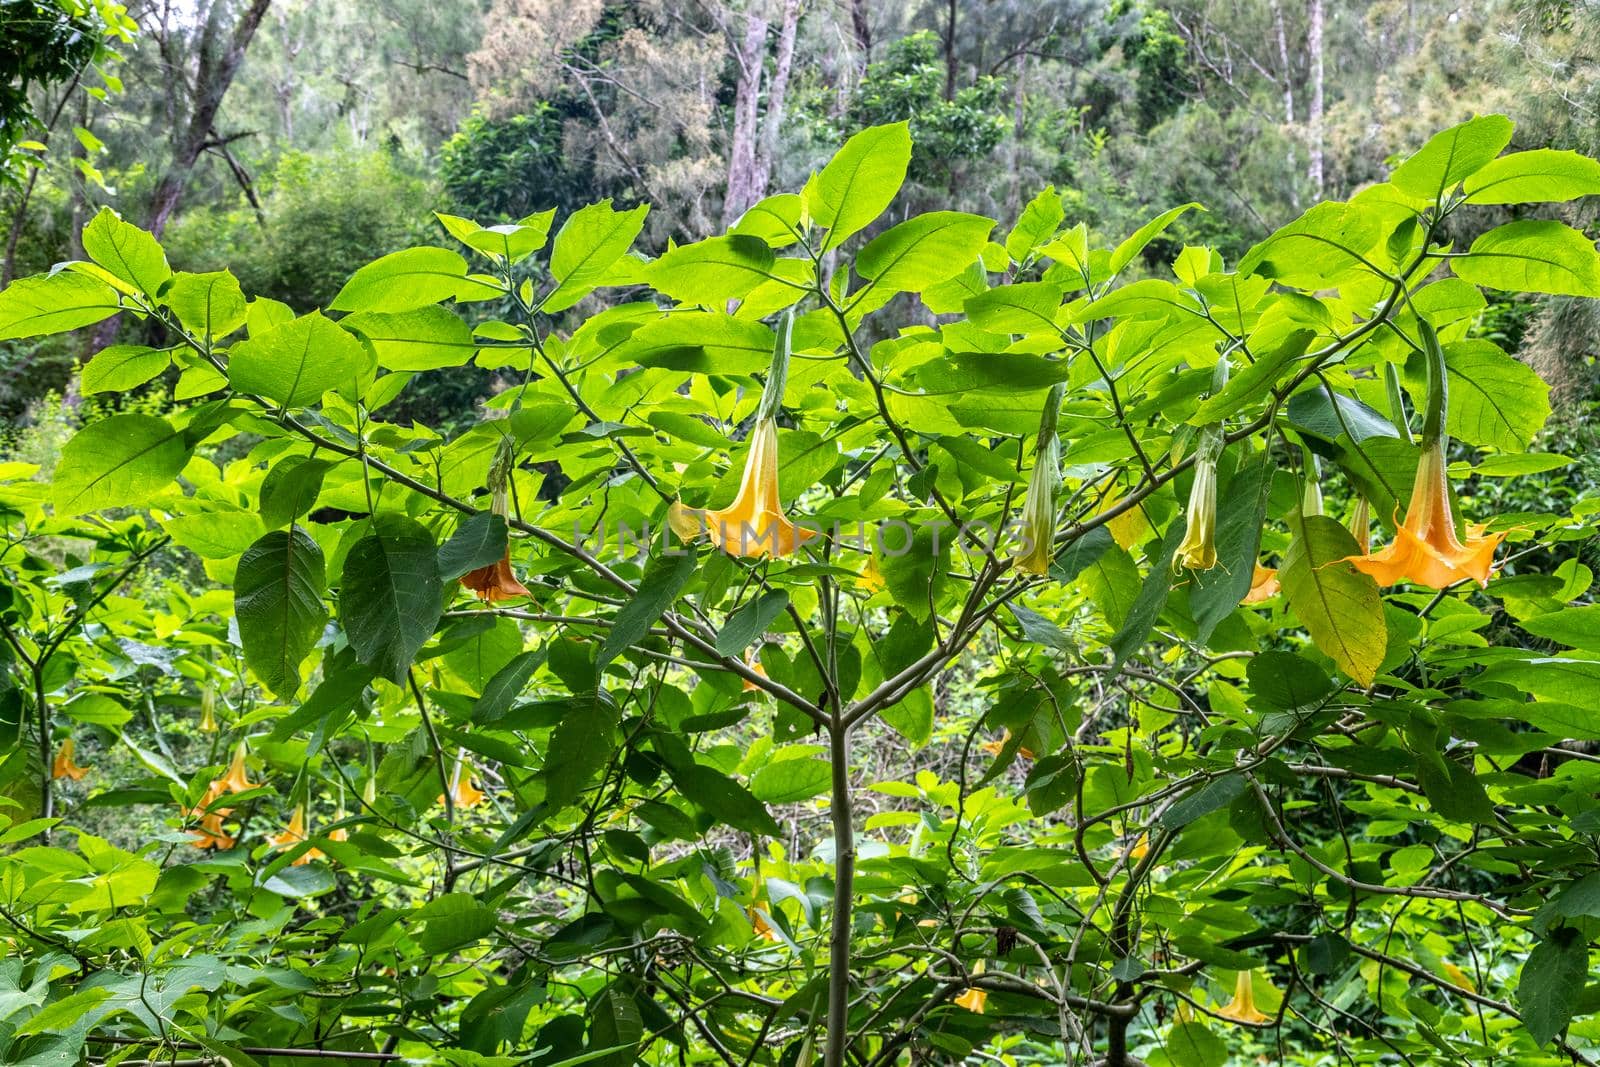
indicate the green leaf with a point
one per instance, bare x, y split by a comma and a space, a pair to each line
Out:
1551, 984
60, 1016
1532, 256
923, 250
1451, 155
591, 240
1495, 399
1286, 680
1559, 678
412, 278
389, 594
424, 338
120, 462
127, 252
1022, 307
451, 921
1544, 175
290, 490
718, 795
479, 541
789, 781
1192, 1044
859, 182
1453, 790
294, 364
277, 598
750, 622
580, 746
54, 303
1573, 627
1038, 223
1338, 605
221, 534
1326, 246
1203, 800
1153, 593
1052, 783
209, 305
501, 691
664, 579
1145, 234
713, 271
118, 368
1253, 381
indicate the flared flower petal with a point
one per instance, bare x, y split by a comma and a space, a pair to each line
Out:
495, 581
1263, 585
63, 766
463, 794
294, 834
753, 526
973, 999
210, 832
1425, 549
763, 926
237, 778
1242, 1008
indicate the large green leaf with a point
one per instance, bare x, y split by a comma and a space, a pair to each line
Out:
209, 305
1124, 253
118, 368
859, 182
479, 541
750, 621
790, 781
424, 338
411, 278
1552, 982
1533, 256
1153, 594
119, 462
1495, 400
294, 364
591, 240
713, 271
1564, 679
54, 303
720, 796
1544, 175
128, 252
1336, 603
923, 250
290, 489
277, 598
1328, 245
1451, 155
663, 580
389, 594
580, 746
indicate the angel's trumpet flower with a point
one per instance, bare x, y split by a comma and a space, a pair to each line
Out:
237, 778
754, 525
495, 581
1263, 585
974, 998
1039, 506
294, 834
1242, 1008
1425, 549
210, 832
1198, 550
463, 794
62, 766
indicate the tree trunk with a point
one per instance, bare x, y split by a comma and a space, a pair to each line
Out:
214, 72
862, 27
950, 52
777, 92
1286, 68
746, 108
1314, 49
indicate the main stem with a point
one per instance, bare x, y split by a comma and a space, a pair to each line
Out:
844, 859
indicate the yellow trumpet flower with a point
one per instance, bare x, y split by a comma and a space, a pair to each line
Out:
63, 767
763, 926
754, 525
1425, 549
1242, 1008
237, 778
1198, 551
463, 794
1263, 585
295, 833
1039, 511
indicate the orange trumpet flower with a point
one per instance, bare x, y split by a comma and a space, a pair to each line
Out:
237, 778
754, 525
1425, 549
294, 834
210, 833
1263, 585
63, 767
462, 792
495, 581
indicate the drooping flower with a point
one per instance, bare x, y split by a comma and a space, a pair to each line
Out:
62, 766
1242, 1008
1263, 585
754, 525
973, 998
763, 926
994, 748
1198, 550
495, 581
1458, 977
1039, 511
1425, 549
294, 834
237, 777
463, 794
753, 661
1361, 524
210, 832
208, 710
871, 578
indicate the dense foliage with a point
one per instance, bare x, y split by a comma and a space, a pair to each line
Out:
507, 744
